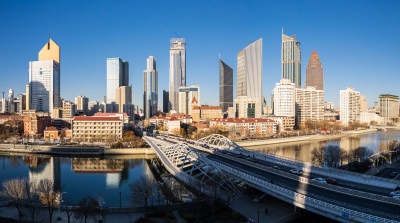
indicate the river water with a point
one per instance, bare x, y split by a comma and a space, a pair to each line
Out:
375, 141
101, 178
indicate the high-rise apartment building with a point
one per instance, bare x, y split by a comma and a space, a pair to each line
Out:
291, 59
150, 88
225, 86
315, 72
188, 97
94, 107
363, 104
165, 101
309, 104
389, 106
349, 106
123, 97
117, 76
44, 79
68, 109
284, 98
177, 70
82, 104
247, 107
249, 71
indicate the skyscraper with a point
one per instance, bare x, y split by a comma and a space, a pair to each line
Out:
225, 86
44, 79
249, 71
349, 106
82, 104
177, 70
123, 97
150, 88
117, 76
291, 59
389, 106
188, 98
165, 101
315, 72
284, 98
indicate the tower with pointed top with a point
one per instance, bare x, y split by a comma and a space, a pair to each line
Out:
315, 72
225, 86
291, 59
44, 79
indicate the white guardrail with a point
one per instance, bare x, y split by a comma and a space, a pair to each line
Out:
304, 200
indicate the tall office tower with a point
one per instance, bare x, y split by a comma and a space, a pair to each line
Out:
291, 59
124, 97
315, 72
44, 79
349, 106
117, 76
389, 106
177, 70
22, 102
150, 88
363, 104
284, 98
82, 104
188, 97
246, 107
165, 101
225, 86
249, 71
11, 107
27, 97
309, 104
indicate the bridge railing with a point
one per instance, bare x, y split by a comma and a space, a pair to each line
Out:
304, 200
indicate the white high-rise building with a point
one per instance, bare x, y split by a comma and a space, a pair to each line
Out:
249, 71
309, 104
82, 104
284, 98
188, 97
177, 70
44, 85
117, 76
349, 106
150, 88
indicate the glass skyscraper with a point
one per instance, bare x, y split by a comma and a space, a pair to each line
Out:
150, 87
177, 70
291, 59
117, 76
225, 86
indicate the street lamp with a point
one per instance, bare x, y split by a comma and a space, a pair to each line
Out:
59, 203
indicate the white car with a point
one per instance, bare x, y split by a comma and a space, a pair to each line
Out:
395, 193
321, 180
296, 171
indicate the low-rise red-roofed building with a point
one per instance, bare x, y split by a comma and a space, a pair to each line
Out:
96, 128
206, 113
247, 126
51, 133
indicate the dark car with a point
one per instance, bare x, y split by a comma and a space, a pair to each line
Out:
330, 181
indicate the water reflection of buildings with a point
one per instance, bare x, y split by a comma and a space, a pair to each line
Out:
350, 143
114, 169
44, 168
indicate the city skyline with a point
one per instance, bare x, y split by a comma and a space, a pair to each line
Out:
337, 70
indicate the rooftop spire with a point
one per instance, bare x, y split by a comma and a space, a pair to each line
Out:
314, 54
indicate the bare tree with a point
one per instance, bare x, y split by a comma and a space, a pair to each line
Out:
318, 155
88, 207
143, 191
332, 156
15, 192
48, 197
32, 199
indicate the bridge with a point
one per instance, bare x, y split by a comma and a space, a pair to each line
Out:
355, 198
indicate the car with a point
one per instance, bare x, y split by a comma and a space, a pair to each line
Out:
321, 180
396, 197
296, 171
394, 193
330, 181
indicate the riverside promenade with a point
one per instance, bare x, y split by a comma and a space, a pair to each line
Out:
72, 150
249, 143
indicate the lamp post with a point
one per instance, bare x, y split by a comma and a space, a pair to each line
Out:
59, 203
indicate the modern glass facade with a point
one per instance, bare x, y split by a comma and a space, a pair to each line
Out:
117, 76
150, 87
225, 86
291, 60
177, 70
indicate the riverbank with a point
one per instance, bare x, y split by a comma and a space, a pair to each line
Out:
64, 150
303, 138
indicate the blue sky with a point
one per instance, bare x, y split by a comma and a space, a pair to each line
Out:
356, 41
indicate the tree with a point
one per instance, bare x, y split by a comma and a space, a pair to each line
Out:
143, 191
32, 198
88, 207
48, 197
15, 192
332, 156
318, 156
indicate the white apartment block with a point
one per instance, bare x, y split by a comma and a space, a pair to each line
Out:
284, 98
349, 106
91, 128
247, 107
309, 104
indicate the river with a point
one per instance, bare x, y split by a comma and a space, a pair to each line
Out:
375, 141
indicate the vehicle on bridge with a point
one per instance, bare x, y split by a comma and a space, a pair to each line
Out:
321, 180
296, 171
